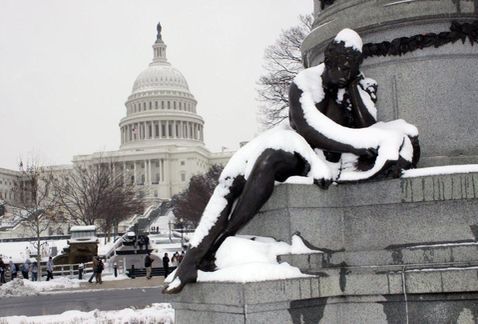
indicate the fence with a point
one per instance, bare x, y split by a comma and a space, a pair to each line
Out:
71, 270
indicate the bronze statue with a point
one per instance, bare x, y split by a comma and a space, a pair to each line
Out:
332, 121
158, 28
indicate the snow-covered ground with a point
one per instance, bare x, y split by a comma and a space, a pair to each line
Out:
23, 287
156, 313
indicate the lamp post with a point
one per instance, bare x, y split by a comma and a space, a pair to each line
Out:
181, 223
170, 223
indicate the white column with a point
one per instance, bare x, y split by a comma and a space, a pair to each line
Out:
149, 173
124, 174
134, 173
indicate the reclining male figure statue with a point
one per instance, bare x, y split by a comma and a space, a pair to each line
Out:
332, 135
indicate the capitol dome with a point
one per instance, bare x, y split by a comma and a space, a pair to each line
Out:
160, 76
160, 109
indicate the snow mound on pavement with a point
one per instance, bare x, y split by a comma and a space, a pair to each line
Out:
157, 313
22, 287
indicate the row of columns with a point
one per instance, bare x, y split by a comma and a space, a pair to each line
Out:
170, 105
153, 172
161, 129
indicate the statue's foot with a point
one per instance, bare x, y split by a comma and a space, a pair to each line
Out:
322, 183
180, 280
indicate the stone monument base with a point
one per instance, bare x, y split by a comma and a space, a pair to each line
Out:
393, 251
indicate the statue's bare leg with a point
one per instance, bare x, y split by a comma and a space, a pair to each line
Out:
271, 165
187, 269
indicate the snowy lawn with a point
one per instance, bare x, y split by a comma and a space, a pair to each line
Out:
157, 313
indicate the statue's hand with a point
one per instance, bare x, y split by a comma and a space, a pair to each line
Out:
355, 81
370, 153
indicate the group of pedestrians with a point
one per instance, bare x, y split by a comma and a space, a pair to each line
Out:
28, 269
175, 260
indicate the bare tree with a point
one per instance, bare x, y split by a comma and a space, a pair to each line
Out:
189, 204
94, 193
37, 203
283, 60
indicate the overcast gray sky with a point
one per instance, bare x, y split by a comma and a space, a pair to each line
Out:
67, 67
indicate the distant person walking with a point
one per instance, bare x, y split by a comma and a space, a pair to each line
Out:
95, 265
174, 260
99, 269
180, 257
3, 268
49, 269
13, 269
26, 268
35, 271
148, 262
166, 264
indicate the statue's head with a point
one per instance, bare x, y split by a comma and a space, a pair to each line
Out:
343, 57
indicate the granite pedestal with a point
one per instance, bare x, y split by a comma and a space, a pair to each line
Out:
390, 251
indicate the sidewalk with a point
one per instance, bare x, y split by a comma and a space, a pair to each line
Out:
140, 282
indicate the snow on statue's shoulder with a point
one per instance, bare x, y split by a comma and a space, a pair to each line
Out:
350, 38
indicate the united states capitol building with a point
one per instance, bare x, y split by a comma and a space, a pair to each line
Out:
162, 135
162, 143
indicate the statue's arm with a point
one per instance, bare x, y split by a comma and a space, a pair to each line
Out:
314, 137
363, 97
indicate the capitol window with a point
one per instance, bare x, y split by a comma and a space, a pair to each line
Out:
156, 104
183, 176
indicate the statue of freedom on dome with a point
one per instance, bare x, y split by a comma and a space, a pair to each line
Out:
159, 28
332, 136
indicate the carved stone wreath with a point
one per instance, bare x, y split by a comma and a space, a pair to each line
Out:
402, 45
